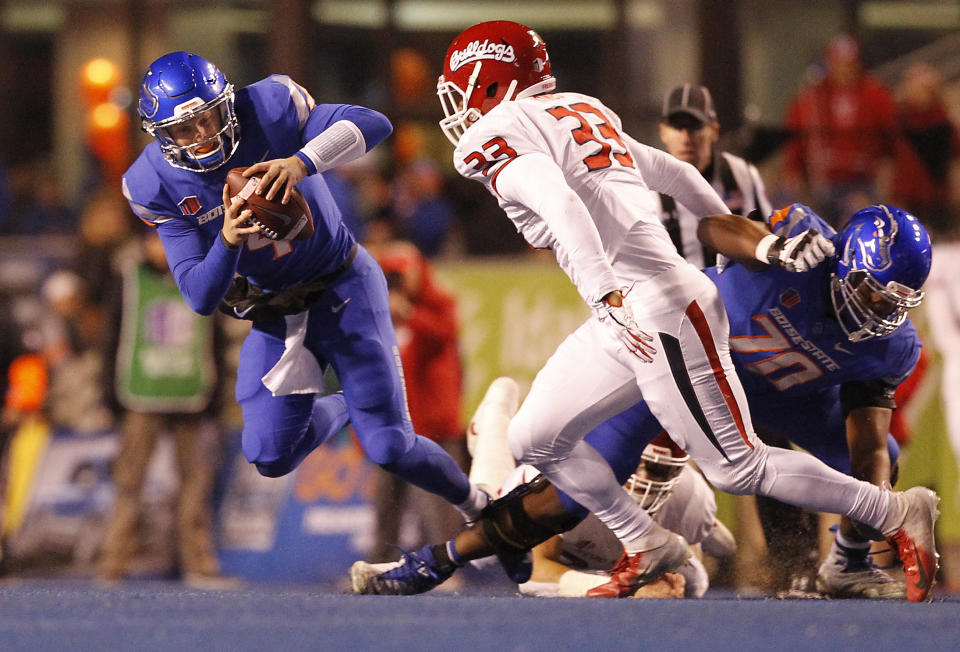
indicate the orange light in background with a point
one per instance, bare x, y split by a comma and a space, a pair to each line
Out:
106, 116
408, 141
28, 383
108, 128
107, 123
410, 76
99, 77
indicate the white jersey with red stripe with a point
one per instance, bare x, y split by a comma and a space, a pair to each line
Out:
690, 511
610, 172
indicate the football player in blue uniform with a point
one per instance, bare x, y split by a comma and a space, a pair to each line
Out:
819, 354
314, 302
827, 384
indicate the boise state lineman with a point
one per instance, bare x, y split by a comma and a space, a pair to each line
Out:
343, 319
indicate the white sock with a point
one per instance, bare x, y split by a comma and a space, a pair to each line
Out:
800, 479
575, 584
538, 589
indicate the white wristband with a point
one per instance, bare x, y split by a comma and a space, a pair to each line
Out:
339, 143
763, 247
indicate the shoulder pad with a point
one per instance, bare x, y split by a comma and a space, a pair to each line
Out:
142, 189
495, 138
273, 96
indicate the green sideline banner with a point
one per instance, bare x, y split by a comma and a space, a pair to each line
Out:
928, 458
514, 313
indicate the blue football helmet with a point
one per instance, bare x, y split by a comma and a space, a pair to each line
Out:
883, 259
177, 88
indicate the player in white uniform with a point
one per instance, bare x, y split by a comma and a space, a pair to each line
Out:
570, 179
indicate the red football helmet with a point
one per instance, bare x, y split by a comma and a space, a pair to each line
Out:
489, 63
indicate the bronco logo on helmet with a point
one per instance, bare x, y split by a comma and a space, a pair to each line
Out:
149, 103
876, 252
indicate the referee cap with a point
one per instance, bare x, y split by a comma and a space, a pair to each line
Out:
692, 100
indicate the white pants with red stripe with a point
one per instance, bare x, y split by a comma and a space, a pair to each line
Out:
692, 389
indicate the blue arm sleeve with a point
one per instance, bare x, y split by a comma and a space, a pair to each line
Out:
203, 275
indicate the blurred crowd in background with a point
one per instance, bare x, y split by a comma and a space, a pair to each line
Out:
845, 140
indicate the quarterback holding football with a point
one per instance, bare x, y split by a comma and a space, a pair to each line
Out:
275, 244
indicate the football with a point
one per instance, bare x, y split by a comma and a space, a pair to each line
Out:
277, 221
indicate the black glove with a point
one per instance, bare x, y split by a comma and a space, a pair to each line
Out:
246, 301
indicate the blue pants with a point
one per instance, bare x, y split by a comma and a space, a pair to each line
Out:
349, 327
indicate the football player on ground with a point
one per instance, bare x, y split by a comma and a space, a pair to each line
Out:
664, 484
570, 180
324, 299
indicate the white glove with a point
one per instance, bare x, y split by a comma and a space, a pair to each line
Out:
797, 254
620, 322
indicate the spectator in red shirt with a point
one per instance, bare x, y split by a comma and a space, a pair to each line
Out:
425, 320
927, 154
844, 133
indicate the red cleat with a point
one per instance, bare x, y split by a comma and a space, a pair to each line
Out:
914, 540
633, 571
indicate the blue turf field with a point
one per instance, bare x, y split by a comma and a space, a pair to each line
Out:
39, 615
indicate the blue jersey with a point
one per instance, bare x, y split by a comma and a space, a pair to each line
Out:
277, 117
784, 338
